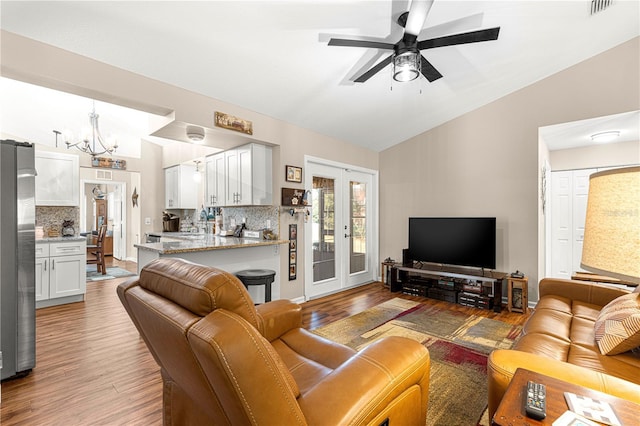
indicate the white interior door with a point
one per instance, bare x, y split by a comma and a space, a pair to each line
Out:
569, 191
340, 243
118, 215
323, 251
561, 227
358, 228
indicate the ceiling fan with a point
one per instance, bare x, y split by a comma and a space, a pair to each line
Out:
407, 60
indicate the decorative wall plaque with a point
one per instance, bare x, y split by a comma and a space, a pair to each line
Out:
108, 163
233, 123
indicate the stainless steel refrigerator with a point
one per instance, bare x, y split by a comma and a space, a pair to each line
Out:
17, 259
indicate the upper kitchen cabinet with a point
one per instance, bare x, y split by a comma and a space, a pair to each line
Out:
181, 192
249, 177
215, 181
57, 179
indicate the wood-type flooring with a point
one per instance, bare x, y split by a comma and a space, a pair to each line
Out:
92, 367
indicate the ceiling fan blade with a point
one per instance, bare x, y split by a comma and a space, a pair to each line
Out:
429, 71
367, 75
360, 43
417, 15
463, 38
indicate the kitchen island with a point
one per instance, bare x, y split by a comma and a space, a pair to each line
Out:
228, 253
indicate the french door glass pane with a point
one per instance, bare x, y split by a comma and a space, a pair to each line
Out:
323, 224
358, 203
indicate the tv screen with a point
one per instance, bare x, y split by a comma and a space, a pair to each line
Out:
463, 241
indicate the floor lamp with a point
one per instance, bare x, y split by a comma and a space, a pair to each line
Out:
611, 243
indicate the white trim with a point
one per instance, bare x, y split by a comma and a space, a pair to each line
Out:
322, 161
83, 206
375, 215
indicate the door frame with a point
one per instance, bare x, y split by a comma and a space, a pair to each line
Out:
375, 222
83, 224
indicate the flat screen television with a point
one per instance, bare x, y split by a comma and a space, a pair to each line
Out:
461, 241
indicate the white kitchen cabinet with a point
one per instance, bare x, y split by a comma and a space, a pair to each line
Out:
61, 274
181, 192
248, 176
57, 179
215, 180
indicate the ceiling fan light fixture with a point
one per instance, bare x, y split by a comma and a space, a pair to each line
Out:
406, 66
195, 133
607, 136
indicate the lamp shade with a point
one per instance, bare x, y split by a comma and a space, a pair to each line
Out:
611, 243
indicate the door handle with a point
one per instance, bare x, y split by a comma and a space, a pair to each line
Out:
45, 265
347, 235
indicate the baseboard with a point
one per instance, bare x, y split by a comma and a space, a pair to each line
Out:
298, 300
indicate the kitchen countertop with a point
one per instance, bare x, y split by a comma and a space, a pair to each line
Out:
60, 239
182, 242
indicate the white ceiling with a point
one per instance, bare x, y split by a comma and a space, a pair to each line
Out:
578, 133
272, 56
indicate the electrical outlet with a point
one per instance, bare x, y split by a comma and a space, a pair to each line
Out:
147, 221
268, 224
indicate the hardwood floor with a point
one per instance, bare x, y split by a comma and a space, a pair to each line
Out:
93, 368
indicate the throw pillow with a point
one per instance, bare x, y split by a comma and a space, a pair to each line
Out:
617, 328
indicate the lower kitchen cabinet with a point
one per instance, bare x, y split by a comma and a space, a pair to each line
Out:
61, 274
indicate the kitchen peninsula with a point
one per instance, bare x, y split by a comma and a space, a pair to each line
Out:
228, 253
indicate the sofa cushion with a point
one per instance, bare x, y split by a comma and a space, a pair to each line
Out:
617, 328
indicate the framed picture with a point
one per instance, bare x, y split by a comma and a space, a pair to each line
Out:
293, 251
293, 174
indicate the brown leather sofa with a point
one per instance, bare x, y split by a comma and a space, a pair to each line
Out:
224, 361
558, 340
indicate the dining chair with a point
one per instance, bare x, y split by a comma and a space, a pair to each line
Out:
97, 250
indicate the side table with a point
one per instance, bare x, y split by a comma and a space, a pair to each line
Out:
518, 294
385, 271
511, 409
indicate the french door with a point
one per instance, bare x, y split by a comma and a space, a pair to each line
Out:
341, 245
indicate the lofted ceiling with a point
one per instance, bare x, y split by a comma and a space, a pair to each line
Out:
272, 56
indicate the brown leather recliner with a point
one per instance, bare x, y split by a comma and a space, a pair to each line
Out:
224, 361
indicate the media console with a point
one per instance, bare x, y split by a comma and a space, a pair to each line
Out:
469, 287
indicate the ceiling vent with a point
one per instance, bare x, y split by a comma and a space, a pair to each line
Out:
104, 175
600, 5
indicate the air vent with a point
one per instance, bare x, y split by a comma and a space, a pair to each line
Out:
600, 5
104, 175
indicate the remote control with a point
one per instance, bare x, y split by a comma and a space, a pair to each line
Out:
535, 404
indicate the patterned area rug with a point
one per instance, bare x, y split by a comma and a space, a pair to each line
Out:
458, 345
113, 272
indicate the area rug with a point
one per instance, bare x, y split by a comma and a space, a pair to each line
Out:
458, 345
113, 272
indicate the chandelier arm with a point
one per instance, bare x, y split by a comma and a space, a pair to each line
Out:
89, 146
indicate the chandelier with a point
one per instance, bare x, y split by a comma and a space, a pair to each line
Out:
93, 143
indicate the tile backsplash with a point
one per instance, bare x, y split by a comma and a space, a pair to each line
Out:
51, 218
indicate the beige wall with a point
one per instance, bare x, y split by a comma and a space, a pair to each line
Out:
33, 62
485, 163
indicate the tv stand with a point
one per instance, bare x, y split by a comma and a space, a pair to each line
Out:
466, 286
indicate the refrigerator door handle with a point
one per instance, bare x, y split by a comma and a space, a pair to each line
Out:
45, 265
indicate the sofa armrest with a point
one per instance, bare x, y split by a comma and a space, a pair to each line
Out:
502, 365
387, 379
278, 317
596, 294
